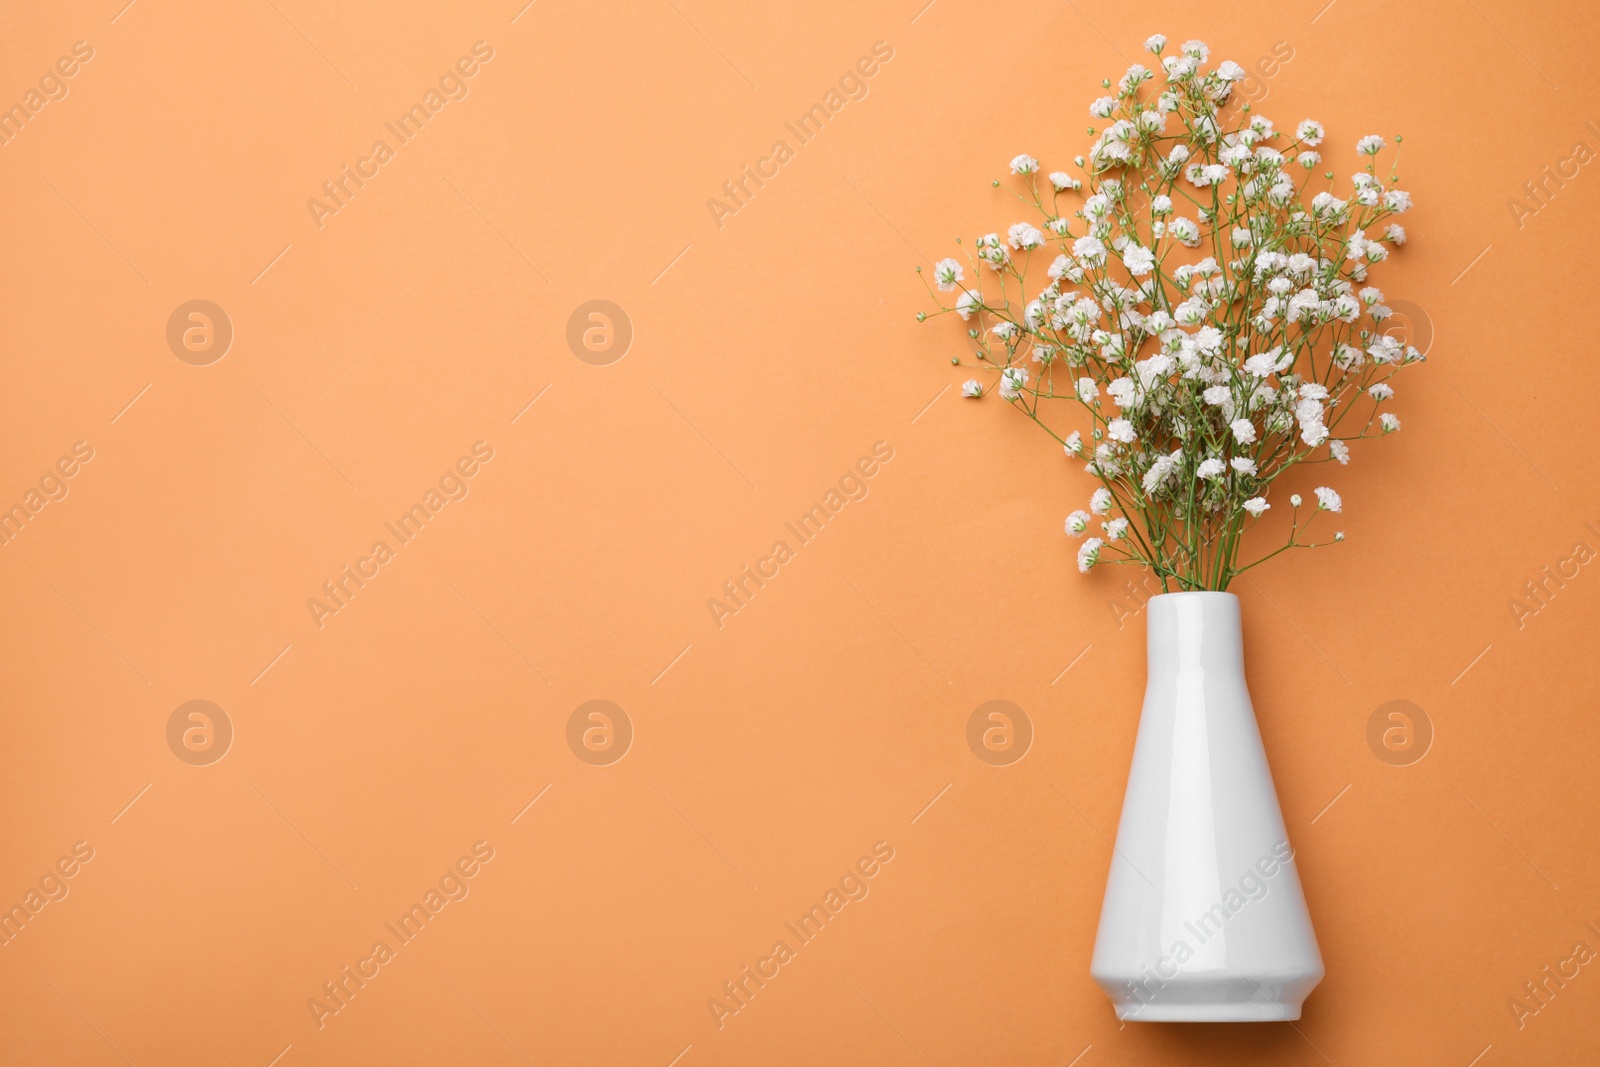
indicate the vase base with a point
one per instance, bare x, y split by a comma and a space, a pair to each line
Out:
1268, 998
1255, 1011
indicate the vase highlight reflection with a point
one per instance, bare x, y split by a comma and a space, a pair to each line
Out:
1204, 919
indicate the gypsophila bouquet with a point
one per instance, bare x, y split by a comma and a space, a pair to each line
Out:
1201, 305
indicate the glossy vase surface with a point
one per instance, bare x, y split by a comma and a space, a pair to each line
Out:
1204, 919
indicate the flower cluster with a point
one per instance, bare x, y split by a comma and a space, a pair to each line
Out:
1204, 303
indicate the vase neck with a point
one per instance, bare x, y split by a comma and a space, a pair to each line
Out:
1194, 631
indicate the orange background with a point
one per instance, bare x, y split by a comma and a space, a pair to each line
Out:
769, 354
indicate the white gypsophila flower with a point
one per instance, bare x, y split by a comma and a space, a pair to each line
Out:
1073, 445
1161, 205
1024, 236
1313, 434
1282, 190
1244, 431
1308, 159
1229, 71
1089, 249
1381, 391
1123, 391
1363, 248
992, 252
1116, 529
1089, 554
1103, 107
1087, 390
1080, 318
969, 302
1062, 181
1012, 381
1100, 501
948, 273
1347, 357
1208, 340
1395, 234
1327, 499
1294, 500
1397, 200
1255, 506
1153, 372
1024, 164
1264, 363
1390, 423
1006, 331
1077, 523
1121, 430
1210, 468
1327, 206
1104, 464
1310, 131
1197, 51
1112, 149
1340, 451
1217, 395
1243, 465
1155, 43
1160, 471
1192, 311
1386, 349
1185, 231
1369, 145
1138, 260
972, 387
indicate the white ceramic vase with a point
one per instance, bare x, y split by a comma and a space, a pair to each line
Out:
1204, 919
